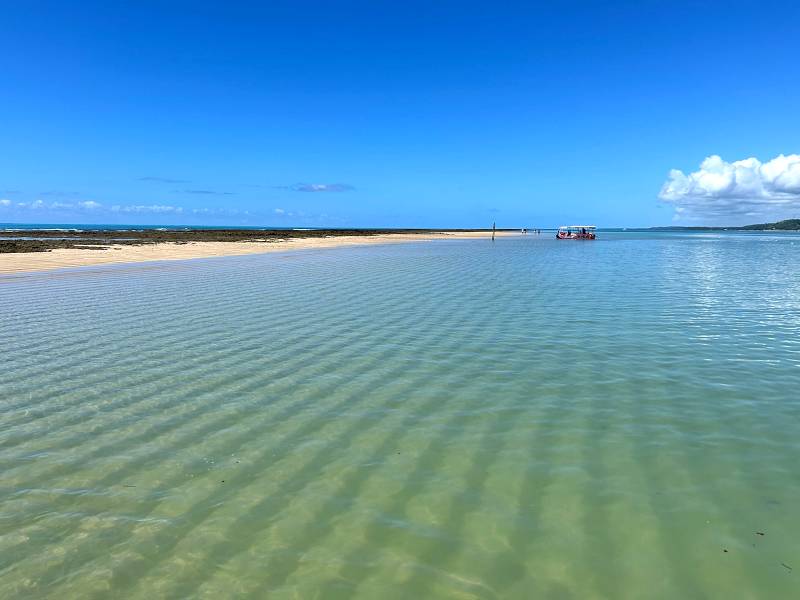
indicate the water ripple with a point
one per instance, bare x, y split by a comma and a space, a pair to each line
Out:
521, 419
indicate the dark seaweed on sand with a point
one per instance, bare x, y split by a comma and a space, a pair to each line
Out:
47, 240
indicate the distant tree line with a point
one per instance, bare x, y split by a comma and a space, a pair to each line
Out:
788, 224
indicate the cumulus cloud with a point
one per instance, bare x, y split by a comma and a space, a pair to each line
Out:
741, 188
86, 206
57, 205
322, 187
98, 209
35, 205
217, 212
147, 208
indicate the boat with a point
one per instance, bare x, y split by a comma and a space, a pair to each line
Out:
576, 232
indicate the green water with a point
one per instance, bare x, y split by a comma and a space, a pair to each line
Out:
458, 419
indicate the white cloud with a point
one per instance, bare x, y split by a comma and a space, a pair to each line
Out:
743, 188
97, 209
322, 187
57, 205
85, 206
90, 204
35, 205
150, 208
213, 212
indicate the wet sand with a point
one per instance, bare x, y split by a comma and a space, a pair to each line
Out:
115, 253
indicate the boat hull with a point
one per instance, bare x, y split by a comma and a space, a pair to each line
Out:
575, 236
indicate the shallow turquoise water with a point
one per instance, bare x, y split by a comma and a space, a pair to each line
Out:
456, 419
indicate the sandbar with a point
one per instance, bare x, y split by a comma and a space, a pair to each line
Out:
62, 258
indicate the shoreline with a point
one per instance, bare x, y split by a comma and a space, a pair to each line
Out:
64, 258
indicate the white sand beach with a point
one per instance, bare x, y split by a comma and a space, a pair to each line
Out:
62, 258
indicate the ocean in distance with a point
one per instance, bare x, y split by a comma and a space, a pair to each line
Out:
524, 418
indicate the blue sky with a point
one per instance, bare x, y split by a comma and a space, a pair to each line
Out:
405, 114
